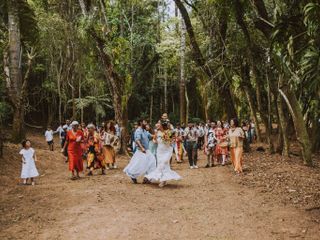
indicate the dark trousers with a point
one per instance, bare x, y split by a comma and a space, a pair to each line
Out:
192, 150
200, 142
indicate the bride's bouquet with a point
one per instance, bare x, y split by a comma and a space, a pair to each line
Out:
167, 133
167, 136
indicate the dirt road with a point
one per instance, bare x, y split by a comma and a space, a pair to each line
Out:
206, 204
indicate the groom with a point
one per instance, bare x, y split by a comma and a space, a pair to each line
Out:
143, 161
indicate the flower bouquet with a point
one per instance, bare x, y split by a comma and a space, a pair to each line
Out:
167, 136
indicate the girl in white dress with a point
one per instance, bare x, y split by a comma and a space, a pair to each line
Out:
29, 169
163, 172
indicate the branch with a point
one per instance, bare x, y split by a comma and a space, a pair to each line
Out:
263, 24
198, 57
83, 8
287, 101
31, 55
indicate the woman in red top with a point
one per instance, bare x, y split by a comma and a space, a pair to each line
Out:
222, 146
73, 141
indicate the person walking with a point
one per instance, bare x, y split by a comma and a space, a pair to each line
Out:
143, 161
221, 149
236, 136
49, 138
73, 141
210, 144
109, 141
191, 135
163, 172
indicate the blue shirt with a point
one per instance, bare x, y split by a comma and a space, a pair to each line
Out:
143, 136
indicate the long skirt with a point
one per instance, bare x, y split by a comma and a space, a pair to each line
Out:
95, 160
75, 158
221, 150
29, 169
140, 164
179, 150
236, 158
109, 154
163, 171
153, 148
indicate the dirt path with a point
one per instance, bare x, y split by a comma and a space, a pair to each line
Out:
206, 204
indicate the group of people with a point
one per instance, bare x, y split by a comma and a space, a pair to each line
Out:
153, 147
96, 145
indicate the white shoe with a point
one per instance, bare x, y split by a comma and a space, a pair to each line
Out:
115, 167
196, 167
191, 167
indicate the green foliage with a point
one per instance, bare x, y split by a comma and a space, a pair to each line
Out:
5, 112
143, 42
28, 23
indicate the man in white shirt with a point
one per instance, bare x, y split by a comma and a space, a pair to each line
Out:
49, 138
67, 125
59, 130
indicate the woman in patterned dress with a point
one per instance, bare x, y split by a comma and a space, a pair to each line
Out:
95, 159
221, 150
109, 139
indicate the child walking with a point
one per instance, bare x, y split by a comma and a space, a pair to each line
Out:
49, 137
29, 169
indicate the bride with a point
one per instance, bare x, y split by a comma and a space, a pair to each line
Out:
163, 172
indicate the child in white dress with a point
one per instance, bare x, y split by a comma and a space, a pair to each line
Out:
29, 169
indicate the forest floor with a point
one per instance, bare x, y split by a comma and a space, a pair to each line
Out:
276, 198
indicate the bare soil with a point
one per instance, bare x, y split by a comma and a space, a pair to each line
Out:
276, 198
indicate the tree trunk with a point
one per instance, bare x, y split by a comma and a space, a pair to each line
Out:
315, 126
299, 125
262, 23
59, 76
116, 83
18, 124
283, 124
152, 95
182, 82
165, 90
271, 145
265, 115
15, 86
187, 107
315, 137
247, 87
228, 102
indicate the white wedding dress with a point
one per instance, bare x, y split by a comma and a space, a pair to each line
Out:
163, 171
140, 164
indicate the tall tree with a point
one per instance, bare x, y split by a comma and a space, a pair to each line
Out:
119, 85
198, 57
182, 82
17, 83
